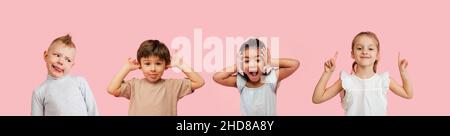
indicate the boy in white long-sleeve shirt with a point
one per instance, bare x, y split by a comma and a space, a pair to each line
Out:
62, 94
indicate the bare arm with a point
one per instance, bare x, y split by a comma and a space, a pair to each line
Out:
287, 67
226, 77
196, 80
404, 91
115, 83
321, 93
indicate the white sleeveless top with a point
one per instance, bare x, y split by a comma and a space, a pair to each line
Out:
365, 97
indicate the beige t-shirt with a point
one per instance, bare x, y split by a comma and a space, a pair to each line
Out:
154, 99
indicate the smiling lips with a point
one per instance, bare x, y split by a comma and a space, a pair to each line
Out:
152, 75
58, 69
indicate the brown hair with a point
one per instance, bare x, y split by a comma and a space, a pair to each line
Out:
369, 34
153, 48
66, 40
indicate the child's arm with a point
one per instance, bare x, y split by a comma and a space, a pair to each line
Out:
404, 91
37, 108
286, 67
196, 80
115, 83
321, 93
89, 99
226, 77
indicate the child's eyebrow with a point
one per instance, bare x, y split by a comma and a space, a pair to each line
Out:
68, 58
368, 46
148, 60
255, 56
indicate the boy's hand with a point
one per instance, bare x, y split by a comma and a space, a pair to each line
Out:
330, 64
402, 64
177, 60
132, 64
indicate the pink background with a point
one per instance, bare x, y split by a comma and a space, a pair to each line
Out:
108, 32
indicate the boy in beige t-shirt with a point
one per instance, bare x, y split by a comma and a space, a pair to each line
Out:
152, 95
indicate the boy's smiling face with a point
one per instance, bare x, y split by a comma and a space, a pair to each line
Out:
59, 59
153, 68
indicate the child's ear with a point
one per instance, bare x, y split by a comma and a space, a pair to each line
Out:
139, 63
353, 56
45, 55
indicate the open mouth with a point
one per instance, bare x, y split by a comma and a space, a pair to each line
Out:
58, 69
253, 74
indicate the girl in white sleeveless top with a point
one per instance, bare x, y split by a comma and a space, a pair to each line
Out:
363, 91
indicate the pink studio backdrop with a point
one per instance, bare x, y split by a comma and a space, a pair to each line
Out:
108, 32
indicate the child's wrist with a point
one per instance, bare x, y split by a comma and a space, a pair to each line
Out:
127, 68
183, 67
328, 72
403, 73
179, 66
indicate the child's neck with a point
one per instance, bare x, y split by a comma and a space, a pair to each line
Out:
159, 80
364, 72
254, 84
55, 78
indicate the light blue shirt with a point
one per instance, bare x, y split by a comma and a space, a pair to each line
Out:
65, 96
259, 101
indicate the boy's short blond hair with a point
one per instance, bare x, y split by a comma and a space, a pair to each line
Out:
66, 40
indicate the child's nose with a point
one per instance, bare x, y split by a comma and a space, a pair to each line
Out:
253, 69
152, 68
60, 61
252, 66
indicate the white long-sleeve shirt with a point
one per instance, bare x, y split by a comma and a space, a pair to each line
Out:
65, 96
